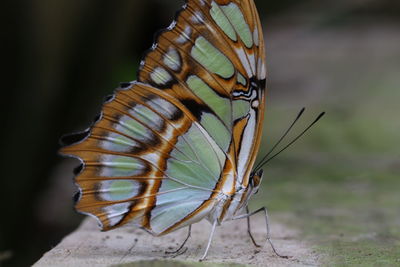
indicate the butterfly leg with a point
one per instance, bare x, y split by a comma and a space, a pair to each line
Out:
183, 244
263, 209
209, 241
249, 229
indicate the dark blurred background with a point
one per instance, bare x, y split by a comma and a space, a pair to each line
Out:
62, 57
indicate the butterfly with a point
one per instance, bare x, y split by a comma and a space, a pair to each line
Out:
178, 144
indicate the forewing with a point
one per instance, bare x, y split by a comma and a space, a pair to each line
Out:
212, 58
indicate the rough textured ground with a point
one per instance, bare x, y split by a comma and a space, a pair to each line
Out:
87, 246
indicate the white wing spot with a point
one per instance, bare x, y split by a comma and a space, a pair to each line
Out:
147, 116
261, 70
243, 58
117, 143
116, 212
185, 36
160, 76
256, 37
252, 60
172, 59
197, 17
164, 107
172, 26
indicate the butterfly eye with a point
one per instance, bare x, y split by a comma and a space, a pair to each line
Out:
256, 180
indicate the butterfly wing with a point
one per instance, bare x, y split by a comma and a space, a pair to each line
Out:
147, 157
212, 58
168, 146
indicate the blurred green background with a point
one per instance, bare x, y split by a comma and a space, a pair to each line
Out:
339, 185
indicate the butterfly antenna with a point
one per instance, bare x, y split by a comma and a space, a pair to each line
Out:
293, 141
280, 140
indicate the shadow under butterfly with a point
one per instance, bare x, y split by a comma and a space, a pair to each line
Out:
179, 144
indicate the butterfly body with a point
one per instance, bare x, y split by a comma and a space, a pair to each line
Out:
178, 145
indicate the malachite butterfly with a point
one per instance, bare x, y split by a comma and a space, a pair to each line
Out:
178, 145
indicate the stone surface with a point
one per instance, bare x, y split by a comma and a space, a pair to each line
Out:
128, 246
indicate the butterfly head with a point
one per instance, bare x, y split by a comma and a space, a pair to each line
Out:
255, 180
